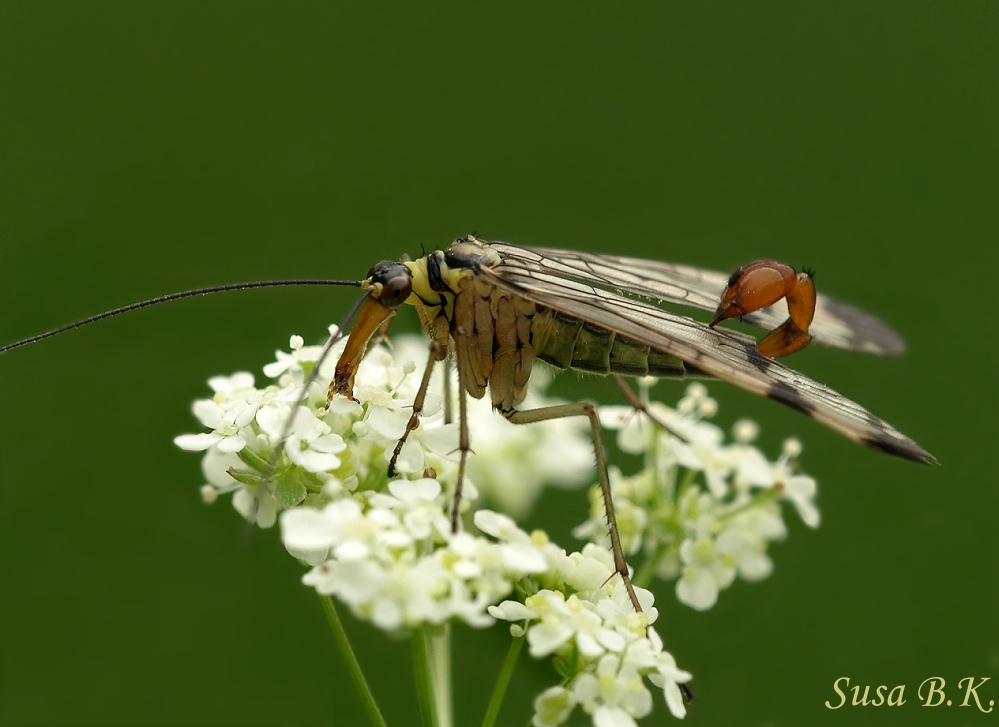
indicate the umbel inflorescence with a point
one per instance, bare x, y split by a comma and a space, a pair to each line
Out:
696, 510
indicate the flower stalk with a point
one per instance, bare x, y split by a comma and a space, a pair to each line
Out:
353, 665
503, 681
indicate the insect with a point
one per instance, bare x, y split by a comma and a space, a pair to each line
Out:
496, 308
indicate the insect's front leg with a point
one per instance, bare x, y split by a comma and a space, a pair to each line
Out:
464, 443
587, 409
436, 353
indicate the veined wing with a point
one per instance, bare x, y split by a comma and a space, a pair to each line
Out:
835, 324
720, 353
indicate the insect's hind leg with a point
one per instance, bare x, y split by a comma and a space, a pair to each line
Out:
587, 409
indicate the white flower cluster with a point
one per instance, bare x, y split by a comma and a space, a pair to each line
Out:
347, 448
578, 611
385, 547
699, 508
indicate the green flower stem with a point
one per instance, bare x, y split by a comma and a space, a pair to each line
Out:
502, 681
423, 672
353, 666
439, 639
759, 499
646, 572
685, 483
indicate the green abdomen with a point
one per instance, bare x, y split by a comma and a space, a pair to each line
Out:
566, 342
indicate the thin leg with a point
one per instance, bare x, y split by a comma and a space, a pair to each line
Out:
464, 445
448, 414
418, 401
640, 405
587, 409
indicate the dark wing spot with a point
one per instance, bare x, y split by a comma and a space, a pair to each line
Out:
757, 359
787, 396
900, 450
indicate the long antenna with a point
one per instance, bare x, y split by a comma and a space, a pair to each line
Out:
275, 457
176, 296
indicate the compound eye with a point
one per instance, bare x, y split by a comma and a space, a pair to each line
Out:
395, 290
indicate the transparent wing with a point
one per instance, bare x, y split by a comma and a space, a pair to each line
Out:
835, 324
724, 354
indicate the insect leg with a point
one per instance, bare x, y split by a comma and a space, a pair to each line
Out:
464, 445
446, 388
641, 406
587, 409
421, 394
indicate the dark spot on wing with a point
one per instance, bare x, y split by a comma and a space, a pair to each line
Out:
757, 359
787, 396
905, 450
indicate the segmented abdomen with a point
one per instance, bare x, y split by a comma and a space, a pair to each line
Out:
567, 342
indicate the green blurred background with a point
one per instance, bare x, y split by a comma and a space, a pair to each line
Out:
154, 147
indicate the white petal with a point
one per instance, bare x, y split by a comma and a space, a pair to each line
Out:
431, 404
245, 416
674, 698
352, 550
311, 460
386, 614
754, 566
511, 611
524, 558
410, 458
232, 444
306, 425
311, 556
343, 405
229, 384
266, 511
500, 527
414, 490
588, 646
283, 363
385, 423
328, 444
800, 490
543, 638
306, 528
605, 716
322, 577
635, 435
754, 468
197, 442
208, 413
700, 591
611, 640
271, 419
358, 582
586, 688
467, 569
442, 441
215, 465
553, 706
